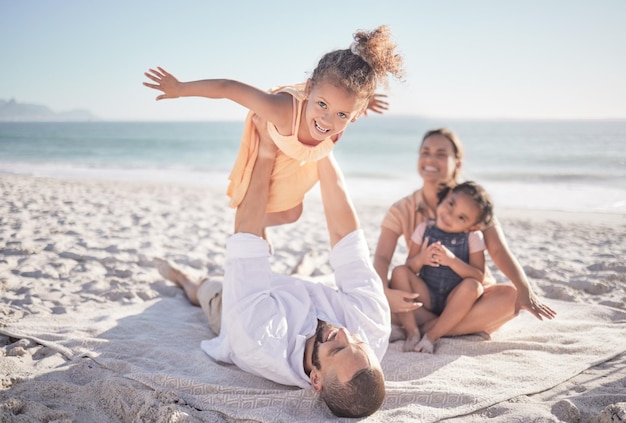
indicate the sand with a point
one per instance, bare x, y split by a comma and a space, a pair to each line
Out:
67, 246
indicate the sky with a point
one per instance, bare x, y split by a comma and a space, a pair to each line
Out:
481, 59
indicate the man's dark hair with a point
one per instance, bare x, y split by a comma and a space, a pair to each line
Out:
360, 397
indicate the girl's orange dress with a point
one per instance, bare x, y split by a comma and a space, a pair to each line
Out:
295, 166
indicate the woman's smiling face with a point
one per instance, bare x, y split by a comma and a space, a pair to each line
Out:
437, 161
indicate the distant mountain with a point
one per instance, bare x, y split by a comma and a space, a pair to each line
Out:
12, 111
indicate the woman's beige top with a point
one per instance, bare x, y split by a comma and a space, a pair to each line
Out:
405, 214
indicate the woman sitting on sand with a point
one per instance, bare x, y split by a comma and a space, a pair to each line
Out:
439, 164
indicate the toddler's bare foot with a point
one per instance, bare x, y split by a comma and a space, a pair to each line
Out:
483, 334
411, 341
425, 346
397, 333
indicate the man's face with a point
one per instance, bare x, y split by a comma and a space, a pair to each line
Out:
338, 352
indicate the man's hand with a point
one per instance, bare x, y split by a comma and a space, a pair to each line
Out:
267, 147
341, 218
165, 82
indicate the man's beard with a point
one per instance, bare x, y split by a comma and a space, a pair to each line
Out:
319, 339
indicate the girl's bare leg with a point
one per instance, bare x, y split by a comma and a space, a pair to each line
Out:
493, 309
458, 305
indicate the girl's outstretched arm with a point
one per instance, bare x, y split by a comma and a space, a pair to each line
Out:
276, 108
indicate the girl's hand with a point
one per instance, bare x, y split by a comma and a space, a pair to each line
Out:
426, 256
429, 254
165, 82
377, 104
441, 255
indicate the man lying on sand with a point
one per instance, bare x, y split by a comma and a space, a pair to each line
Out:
292, 331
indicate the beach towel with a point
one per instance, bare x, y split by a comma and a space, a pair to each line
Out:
157, 343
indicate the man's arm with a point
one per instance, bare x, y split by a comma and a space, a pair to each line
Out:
251, 212
341, 217
364, 306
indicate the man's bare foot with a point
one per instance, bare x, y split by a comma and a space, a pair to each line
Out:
411, 341
169, 272
175, 275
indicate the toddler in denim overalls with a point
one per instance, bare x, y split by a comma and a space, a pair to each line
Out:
442, 280
446, 265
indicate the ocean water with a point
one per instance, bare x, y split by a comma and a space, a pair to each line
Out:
550, 165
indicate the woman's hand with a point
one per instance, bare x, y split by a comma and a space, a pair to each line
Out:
402, 301
164, 81
527, 300
508, 264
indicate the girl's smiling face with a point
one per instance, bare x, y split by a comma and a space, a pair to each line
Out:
329, 110
458, 213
